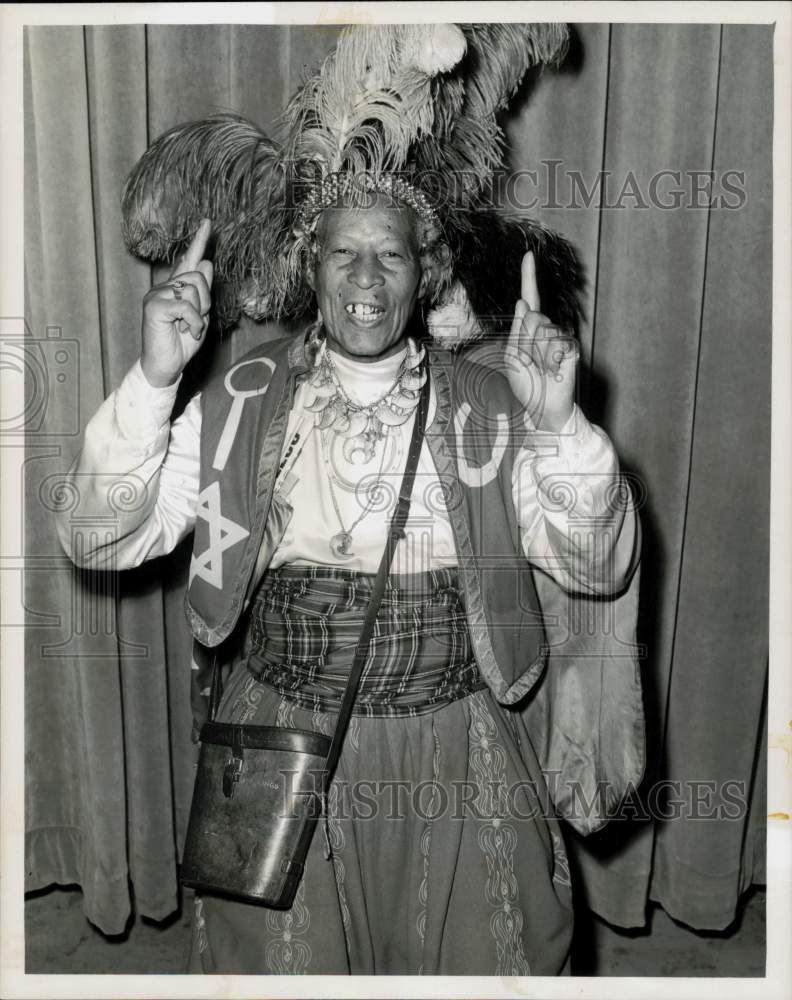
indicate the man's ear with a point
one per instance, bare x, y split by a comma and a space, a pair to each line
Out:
437, 267
310, 272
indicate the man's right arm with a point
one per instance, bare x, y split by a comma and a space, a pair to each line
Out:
136, 480
135, 484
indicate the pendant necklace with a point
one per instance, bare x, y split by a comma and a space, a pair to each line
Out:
340, 542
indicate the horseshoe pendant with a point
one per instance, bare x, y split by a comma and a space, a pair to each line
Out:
340, 544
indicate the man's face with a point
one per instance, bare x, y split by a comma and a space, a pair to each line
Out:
367, 278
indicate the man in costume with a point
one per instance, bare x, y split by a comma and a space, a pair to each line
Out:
439, 854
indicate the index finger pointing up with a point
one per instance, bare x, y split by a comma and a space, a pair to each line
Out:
194, 253
529, 290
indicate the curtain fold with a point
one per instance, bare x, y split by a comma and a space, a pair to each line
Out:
676, 353
74, 736
716, 686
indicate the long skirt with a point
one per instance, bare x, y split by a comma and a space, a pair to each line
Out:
444, 860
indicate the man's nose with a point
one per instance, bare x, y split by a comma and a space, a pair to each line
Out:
366, 272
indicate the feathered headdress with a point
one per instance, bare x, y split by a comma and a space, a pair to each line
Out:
409, 110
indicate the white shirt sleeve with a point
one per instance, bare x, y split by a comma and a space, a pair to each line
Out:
135, 484
575, 511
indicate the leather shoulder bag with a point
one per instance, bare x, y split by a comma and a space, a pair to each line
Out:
260, 790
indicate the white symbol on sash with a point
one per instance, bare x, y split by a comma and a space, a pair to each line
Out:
469, 474
223, 533
237, 405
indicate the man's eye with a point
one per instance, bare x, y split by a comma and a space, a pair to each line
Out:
393, 255
341, 252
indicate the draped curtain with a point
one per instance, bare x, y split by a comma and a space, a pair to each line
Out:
676, 352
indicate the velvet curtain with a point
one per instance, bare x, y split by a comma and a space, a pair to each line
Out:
676, 348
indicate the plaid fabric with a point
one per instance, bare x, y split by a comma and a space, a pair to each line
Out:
305, 625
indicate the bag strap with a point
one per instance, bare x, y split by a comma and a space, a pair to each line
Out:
395, 534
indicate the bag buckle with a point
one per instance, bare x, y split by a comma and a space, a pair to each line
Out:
231, 773
233, 769
399, 520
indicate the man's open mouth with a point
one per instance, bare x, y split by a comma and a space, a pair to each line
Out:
364, 311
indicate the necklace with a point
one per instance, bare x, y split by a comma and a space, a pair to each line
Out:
341, 541
363, 426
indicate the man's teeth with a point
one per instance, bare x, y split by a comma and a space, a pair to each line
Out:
361, 309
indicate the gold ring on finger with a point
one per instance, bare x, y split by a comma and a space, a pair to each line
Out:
177, 288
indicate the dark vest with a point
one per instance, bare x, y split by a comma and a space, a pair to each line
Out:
474, 438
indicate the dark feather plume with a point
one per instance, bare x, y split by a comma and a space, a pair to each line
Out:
489, 260
223, 168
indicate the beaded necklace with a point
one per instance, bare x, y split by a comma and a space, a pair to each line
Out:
363, 426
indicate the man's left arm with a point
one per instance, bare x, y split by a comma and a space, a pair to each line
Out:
575, 510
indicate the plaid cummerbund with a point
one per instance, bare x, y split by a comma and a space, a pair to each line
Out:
305, 624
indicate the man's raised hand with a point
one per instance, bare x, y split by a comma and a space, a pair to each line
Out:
541, 360
176, 313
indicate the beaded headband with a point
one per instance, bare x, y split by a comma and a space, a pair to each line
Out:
335, 186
